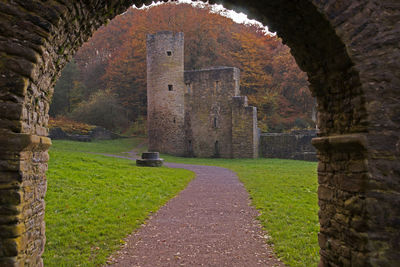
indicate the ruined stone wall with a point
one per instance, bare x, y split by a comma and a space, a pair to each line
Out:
165, 93
208, 101
37, 38
244, 129
349, 50
288, 145
190, 113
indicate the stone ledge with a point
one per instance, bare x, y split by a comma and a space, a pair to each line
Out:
346, 142
17, 142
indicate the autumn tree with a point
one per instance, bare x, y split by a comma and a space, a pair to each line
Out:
68, 91
114, 60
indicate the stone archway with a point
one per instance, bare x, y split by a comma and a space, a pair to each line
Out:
350, 52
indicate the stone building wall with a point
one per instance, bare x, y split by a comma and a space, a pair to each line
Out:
165, 93
294, 145
244, 129
36, 40
208, 101
195, 117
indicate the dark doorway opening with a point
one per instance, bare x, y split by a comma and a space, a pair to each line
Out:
216, 150
190, 149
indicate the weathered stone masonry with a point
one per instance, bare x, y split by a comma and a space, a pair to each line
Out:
293, 145
350, 52
195, 113
165, 93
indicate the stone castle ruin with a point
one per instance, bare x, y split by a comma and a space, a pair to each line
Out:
197, 113
349, 50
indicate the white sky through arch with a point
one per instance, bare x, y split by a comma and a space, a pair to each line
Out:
235, 16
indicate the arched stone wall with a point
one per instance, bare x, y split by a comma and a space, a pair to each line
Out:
351, 54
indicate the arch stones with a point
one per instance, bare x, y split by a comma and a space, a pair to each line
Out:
350, 52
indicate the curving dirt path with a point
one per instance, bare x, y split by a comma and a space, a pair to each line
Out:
210, 223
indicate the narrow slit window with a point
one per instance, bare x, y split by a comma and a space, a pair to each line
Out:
216, 85
170, 87
188, 87
190, 148
215, 122
174, 120
169, 53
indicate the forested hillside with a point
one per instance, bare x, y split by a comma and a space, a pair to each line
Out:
105, 84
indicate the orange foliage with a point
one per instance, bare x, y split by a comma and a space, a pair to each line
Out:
269, 75
70, 126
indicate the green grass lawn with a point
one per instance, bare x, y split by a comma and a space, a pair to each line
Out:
93, 201
116, 146
285, 193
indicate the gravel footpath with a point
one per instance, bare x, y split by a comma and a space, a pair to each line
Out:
210, 223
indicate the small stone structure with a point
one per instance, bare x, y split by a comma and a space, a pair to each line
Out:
150, 159
293, 145
199, 112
